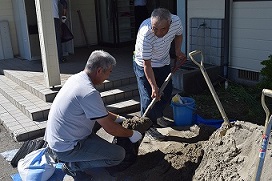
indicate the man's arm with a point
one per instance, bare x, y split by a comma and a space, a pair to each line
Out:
180, 56
151, 79
178, 43
64, 7
114, 128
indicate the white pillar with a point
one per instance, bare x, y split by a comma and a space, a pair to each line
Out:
48, 42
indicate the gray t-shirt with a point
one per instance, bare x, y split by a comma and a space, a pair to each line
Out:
73, 113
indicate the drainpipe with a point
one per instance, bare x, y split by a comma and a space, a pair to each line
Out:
227, 35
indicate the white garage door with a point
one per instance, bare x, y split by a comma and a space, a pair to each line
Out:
251, 34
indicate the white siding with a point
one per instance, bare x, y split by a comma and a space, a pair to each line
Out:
87, 9
6, 13
251, 37
204, 9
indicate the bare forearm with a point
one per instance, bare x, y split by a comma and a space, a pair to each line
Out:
178, 43
114, 128
150, 74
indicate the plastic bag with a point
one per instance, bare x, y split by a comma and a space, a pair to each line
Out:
66, 34
27, 147
36, 166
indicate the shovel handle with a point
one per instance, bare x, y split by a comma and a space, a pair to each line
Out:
195, 52
265, 136
266, 92
154, 100
168, 78
209, 83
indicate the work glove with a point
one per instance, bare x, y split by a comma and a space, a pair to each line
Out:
63, 19
120, 119
136, 136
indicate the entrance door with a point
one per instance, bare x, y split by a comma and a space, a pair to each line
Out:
115, 19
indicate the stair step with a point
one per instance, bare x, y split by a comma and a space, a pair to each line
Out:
17, 123
33, 107
120, 93
22, 128
129, 105
116, 82
31, 81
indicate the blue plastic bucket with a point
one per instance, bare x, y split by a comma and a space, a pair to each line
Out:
184, 113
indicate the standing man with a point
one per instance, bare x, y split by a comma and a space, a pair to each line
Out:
152, 60
75, 110
57, 23
140, 12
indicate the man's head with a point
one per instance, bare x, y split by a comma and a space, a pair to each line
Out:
99, 66
160, 21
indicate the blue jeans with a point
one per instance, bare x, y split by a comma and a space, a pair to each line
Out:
91, 153
145, 90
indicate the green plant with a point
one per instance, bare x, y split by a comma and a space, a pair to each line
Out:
266, 73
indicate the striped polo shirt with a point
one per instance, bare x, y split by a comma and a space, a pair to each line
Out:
150, 47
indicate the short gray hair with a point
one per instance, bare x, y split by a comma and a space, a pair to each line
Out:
99, 59
161, 14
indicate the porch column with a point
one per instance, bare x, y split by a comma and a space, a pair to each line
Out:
48, 43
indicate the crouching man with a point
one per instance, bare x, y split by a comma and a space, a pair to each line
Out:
75, 110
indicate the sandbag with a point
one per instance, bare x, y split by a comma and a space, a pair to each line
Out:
38, 165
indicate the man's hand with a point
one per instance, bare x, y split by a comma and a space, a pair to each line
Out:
63, 19
136, 136
155, 93
180, 56
120, 119
179, 61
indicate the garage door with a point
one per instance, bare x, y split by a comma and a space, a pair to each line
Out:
251, 34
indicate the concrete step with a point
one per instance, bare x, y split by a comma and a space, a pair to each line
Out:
120, 93
20, 127
115, 82
125, 106
30, 105
19, 110
31, 81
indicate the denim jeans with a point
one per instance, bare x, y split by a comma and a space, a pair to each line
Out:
91, 153
145, 90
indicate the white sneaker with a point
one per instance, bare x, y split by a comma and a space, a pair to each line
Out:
163, 122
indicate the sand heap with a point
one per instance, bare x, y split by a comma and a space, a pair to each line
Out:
199, 153
235, 155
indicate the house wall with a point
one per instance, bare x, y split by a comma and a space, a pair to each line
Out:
251, 40
204, 9
6, 14
87, 10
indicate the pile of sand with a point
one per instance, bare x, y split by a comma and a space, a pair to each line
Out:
200, 153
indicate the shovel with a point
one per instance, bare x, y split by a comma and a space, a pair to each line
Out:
226, 124
152, 131
265, 136
168, 78
143, 122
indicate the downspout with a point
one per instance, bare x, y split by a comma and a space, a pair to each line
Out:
227, 39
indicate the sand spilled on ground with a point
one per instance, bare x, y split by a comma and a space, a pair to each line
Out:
200, 153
